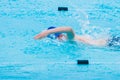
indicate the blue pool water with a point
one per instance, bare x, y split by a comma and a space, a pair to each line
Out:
23, 58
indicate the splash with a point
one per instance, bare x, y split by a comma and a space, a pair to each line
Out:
81, 16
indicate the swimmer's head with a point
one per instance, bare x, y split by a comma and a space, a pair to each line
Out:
54, 35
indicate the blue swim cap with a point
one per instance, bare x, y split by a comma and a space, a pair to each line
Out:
54, 35
51, 27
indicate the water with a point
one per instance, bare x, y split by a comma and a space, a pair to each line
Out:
23, 58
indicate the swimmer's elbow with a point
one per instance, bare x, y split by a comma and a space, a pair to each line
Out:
70, 33
69, 29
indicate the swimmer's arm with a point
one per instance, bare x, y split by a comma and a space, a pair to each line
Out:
41, 35
67, 30
98, 42
89, 40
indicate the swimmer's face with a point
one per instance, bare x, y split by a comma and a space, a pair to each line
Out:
62, 37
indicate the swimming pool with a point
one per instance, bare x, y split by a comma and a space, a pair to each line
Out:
23, 58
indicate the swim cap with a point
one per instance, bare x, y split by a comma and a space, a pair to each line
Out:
54, 35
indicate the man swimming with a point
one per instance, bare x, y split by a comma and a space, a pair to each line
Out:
69, 35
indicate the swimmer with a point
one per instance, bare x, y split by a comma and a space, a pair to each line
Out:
67, 33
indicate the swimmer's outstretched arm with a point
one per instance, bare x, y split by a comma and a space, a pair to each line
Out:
69, 31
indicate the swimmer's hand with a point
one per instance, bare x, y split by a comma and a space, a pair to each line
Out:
41, 35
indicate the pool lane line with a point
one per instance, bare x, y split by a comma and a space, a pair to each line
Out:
90, 63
